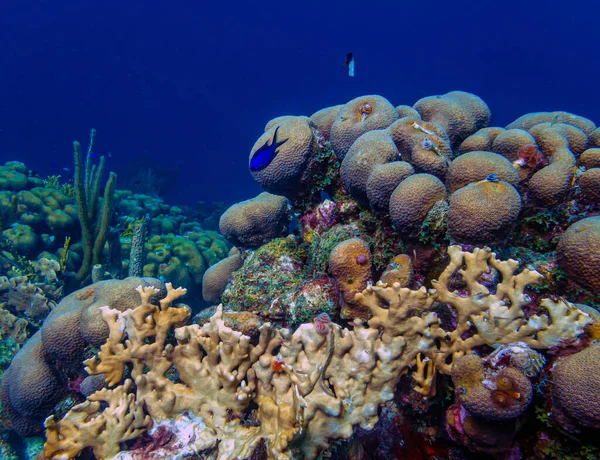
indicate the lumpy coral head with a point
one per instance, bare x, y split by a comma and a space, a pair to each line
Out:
579, 252
476, 166
382, 182
483, 211
257, 221
369, 150
481, 140
324, 118
365, 113
576, 391
412, 199
36, 380
288, 170
459, 113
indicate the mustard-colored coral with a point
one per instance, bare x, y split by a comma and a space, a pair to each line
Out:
306, 389
88, 425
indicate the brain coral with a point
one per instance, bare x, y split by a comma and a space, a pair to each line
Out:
590, 158
481, 140
423, 144
216, 277
257, 221
483, 211
289, 171
529, 120
459, 113
595, 138
281, 119
576, 390
411, 200
34, 383
369, 150
324, 118
382, 182
509, 143
476, 166
551, 184
576, 138
358, 116
579, 252
589, 182
407, 111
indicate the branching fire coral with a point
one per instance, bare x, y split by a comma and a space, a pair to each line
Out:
297, 392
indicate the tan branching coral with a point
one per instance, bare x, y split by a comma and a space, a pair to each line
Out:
88, 425
492, 317
297, 392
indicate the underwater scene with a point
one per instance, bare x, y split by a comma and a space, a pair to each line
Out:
319, 230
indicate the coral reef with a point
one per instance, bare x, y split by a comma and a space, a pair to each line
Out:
38, 376
316, 384
372, 307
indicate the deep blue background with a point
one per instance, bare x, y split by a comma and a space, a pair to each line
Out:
187, 86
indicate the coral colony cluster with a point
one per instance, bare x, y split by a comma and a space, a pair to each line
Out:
412, 283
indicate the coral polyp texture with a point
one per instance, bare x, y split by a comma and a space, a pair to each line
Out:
315, 384
413, 282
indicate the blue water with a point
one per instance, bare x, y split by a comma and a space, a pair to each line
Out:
186, 87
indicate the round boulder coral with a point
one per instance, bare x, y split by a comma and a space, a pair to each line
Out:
412, 199
369, 150
279, 160
257, 221
476, 166
324, 118
483, 211
589, 182
459, 113
407, 111
382, 182
423, 144
481, 140
576, 391
550, 185
590, 158
529, 120
365, 113
216, 277
510, 142
36, 379
579, 252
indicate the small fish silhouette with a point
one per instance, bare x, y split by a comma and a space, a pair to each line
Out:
266, 154
349, 63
